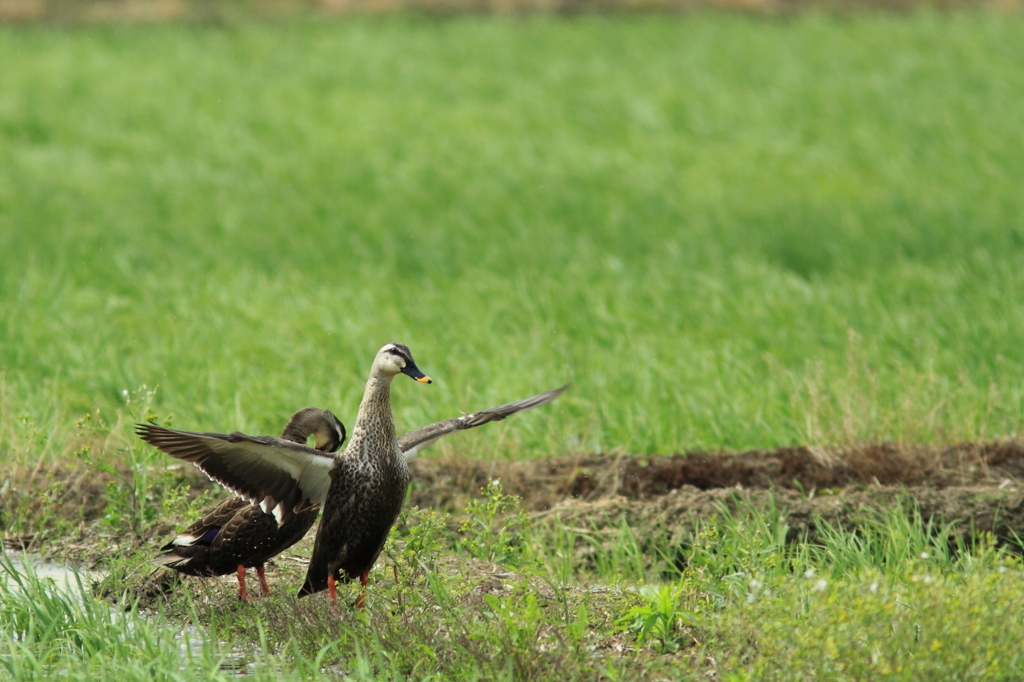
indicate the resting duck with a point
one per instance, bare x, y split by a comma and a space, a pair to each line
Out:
236, 535
362, 489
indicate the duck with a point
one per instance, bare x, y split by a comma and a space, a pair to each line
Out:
361, 491
237, 535
358, 488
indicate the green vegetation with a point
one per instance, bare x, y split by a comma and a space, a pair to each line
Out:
727, 233
736, 600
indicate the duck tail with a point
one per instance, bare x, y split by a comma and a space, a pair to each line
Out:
309, 587
172, 560
317, 571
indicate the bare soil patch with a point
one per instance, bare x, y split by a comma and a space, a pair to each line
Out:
450, 482
971, 487
975, 487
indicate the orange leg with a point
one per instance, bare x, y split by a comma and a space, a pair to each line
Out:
332, 592
241, 584
364, 578
263, 580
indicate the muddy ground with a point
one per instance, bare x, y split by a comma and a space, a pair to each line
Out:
975, 487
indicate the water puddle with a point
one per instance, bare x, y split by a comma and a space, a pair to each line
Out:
62, 575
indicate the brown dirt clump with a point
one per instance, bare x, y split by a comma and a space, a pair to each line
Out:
450, 482
973, 487
964, 511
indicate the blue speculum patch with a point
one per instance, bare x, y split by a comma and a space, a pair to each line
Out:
208, 536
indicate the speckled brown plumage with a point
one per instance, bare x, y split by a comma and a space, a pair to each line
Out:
367, 485
361, 490
236, 535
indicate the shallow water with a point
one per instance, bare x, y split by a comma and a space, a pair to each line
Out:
62, 575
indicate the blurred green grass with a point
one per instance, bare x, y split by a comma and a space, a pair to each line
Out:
727, 232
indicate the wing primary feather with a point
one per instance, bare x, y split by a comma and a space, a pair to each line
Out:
414, 442
262, 470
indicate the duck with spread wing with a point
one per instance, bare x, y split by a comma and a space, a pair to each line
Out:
361, 490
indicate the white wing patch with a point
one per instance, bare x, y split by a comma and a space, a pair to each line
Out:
288, 465
316, 479
411, 453
311, 472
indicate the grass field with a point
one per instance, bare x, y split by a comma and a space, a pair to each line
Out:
728, 233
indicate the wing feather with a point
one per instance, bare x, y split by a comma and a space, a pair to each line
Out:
414, 442
278, 475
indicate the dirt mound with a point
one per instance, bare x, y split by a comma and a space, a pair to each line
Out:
972, 487
963, 512
975, 486
449, 482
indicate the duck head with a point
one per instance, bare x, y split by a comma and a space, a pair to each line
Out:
327, 430
394, 359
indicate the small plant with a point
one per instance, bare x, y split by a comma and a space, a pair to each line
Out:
576, 629
490, 531
661, 618
737, 543
414, 547
423, 532
147, 491
518, 621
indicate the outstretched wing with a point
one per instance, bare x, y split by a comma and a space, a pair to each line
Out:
414, 442
280, 476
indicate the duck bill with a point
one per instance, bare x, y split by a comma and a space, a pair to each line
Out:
414, 371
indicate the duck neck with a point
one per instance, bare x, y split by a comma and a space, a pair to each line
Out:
298, 429
374, 423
